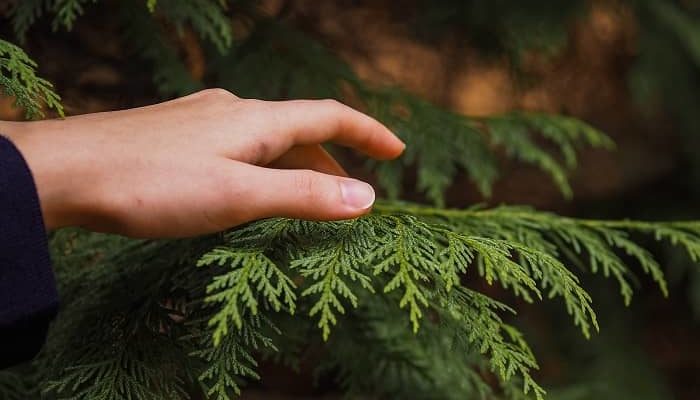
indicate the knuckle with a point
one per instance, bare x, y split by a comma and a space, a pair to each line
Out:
333, 104
336, 113
218, 94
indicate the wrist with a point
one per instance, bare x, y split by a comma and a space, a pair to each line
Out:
53, 169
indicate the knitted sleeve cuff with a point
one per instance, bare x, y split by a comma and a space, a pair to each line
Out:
28, 295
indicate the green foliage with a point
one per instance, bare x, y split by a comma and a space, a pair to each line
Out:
664, 77
204, 16
513, 133
138, 364
67, 11
170, 74
442, 144
18, 79
277, 62
394, 280
409, 302
502, 26
13, 386
25, 14
149, 38
253, 275
230, 359
597, 240
154, 45
333, 269
397, 255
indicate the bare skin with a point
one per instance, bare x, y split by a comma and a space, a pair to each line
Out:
199, 164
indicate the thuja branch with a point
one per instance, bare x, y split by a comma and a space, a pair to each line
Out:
18, 79
572, 237
415, 256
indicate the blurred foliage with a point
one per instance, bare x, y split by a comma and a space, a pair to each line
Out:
501, 26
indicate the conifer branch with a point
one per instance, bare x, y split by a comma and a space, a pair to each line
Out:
18, 80
334, 268
13, 386
118, 361
224, 365
252, 278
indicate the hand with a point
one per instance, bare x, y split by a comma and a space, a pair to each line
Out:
199, 164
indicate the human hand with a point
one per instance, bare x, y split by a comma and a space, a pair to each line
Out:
199, 164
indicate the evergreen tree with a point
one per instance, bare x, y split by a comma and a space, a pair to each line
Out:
396, 299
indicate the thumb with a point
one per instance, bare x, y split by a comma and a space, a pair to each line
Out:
307, 194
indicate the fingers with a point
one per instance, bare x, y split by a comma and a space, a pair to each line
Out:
309, 157
307, 122
302, 194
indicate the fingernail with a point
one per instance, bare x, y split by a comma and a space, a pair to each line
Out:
356, 194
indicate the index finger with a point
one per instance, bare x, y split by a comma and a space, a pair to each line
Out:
305, 122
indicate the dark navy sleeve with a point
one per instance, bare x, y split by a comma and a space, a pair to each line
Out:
28, 296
